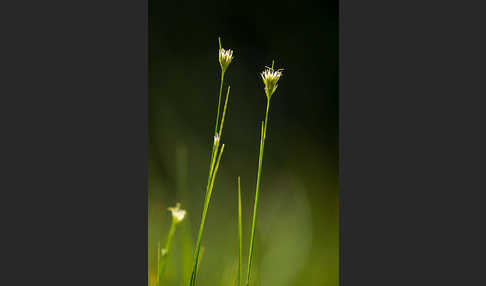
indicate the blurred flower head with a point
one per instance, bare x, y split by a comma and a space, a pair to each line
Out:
270, 78
216, 138
163, 251
178, 214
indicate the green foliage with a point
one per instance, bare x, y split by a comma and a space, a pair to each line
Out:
276, 244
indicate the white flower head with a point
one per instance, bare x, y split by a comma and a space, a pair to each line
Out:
270, 78
216, 138
225, 58
178, 214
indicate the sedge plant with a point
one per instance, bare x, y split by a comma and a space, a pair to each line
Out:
178, 215
270, 79
225, 58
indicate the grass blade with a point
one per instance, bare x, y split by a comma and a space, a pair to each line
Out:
203, 219
240, 240
257, 192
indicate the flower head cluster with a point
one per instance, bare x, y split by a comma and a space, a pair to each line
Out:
216, 139
270, 78
178, 214
225, 58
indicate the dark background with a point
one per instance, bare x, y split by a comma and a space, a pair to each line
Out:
297, 231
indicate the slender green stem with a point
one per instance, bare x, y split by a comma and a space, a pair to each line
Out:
219, 102
220, 90
214, 151
257, 192
158, 265
163, 259
201, 255
216, 128
224, 112
240, 240
203, 218
205, 209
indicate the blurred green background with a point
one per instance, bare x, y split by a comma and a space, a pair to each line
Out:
297, 232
